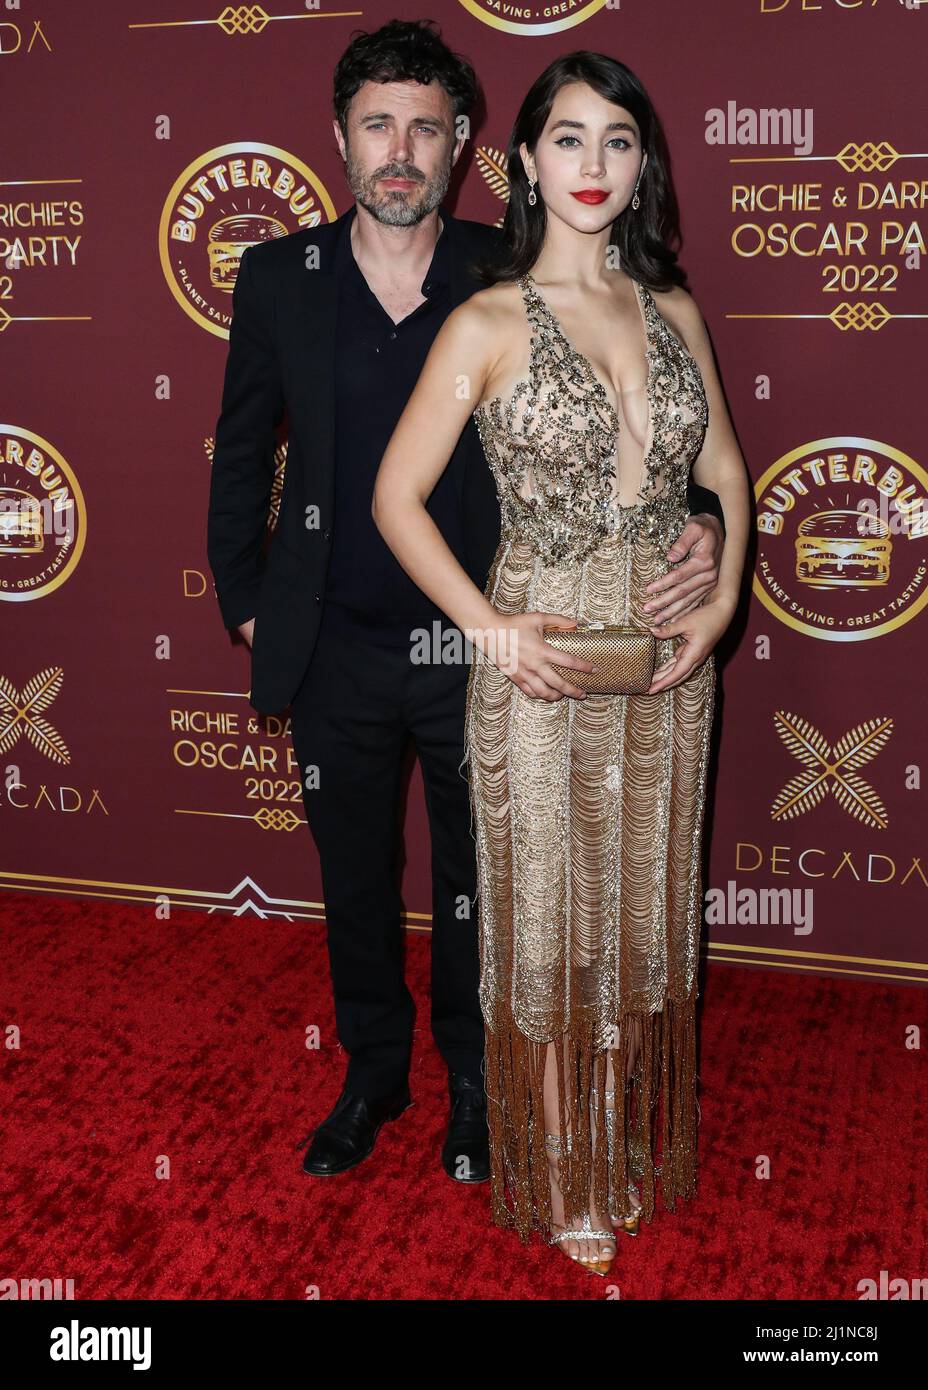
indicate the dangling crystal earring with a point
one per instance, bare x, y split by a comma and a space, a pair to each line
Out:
636, 201
532, 196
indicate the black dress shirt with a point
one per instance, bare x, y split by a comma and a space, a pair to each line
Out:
377, 364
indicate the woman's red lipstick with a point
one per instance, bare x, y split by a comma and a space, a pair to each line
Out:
590, 195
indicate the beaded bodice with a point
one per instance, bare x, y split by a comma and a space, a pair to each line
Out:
557, 445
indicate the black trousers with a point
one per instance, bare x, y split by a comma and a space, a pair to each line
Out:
352, 718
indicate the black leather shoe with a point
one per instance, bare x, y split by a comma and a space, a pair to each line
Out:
349, 1133
465, 1154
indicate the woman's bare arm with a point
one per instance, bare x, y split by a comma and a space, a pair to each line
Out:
450, 385
720, 464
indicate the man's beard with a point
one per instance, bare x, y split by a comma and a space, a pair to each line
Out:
397, 207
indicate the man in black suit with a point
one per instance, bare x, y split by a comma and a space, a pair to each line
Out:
334, 324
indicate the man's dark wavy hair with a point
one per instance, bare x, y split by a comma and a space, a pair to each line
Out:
645, 238
403, 51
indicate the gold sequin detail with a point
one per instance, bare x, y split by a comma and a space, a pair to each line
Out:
588, 814
558, 431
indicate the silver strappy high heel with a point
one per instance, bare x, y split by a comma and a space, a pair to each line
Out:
585, 1230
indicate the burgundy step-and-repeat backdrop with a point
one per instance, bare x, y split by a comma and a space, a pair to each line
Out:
142, 141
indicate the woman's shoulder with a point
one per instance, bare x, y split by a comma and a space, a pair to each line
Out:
491, 307
481, 326
681, 311
679, 307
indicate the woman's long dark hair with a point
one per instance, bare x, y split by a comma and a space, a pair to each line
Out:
645, 237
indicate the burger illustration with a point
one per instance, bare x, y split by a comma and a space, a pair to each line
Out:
20, 523
843, 549
232, 235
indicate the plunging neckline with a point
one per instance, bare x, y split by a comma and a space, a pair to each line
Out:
594, 379
506, 402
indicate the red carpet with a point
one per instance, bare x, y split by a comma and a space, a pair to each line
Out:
145, 1042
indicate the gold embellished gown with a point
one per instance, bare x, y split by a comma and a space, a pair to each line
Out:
588, 814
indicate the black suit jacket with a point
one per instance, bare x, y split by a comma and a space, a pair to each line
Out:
281, 358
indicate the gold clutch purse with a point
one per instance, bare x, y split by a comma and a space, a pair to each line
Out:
624, 655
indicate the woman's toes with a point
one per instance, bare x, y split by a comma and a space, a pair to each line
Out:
605, 1257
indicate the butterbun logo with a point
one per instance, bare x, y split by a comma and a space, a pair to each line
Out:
232, 197
548, 17
842, 533
43, 521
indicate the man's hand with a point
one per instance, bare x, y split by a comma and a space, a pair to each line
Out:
687, 586
248, 629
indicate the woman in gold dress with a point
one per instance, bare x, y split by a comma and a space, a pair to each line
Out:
597, 395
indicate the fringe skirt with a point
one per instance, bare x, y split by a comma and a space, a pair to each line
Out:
588, 818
